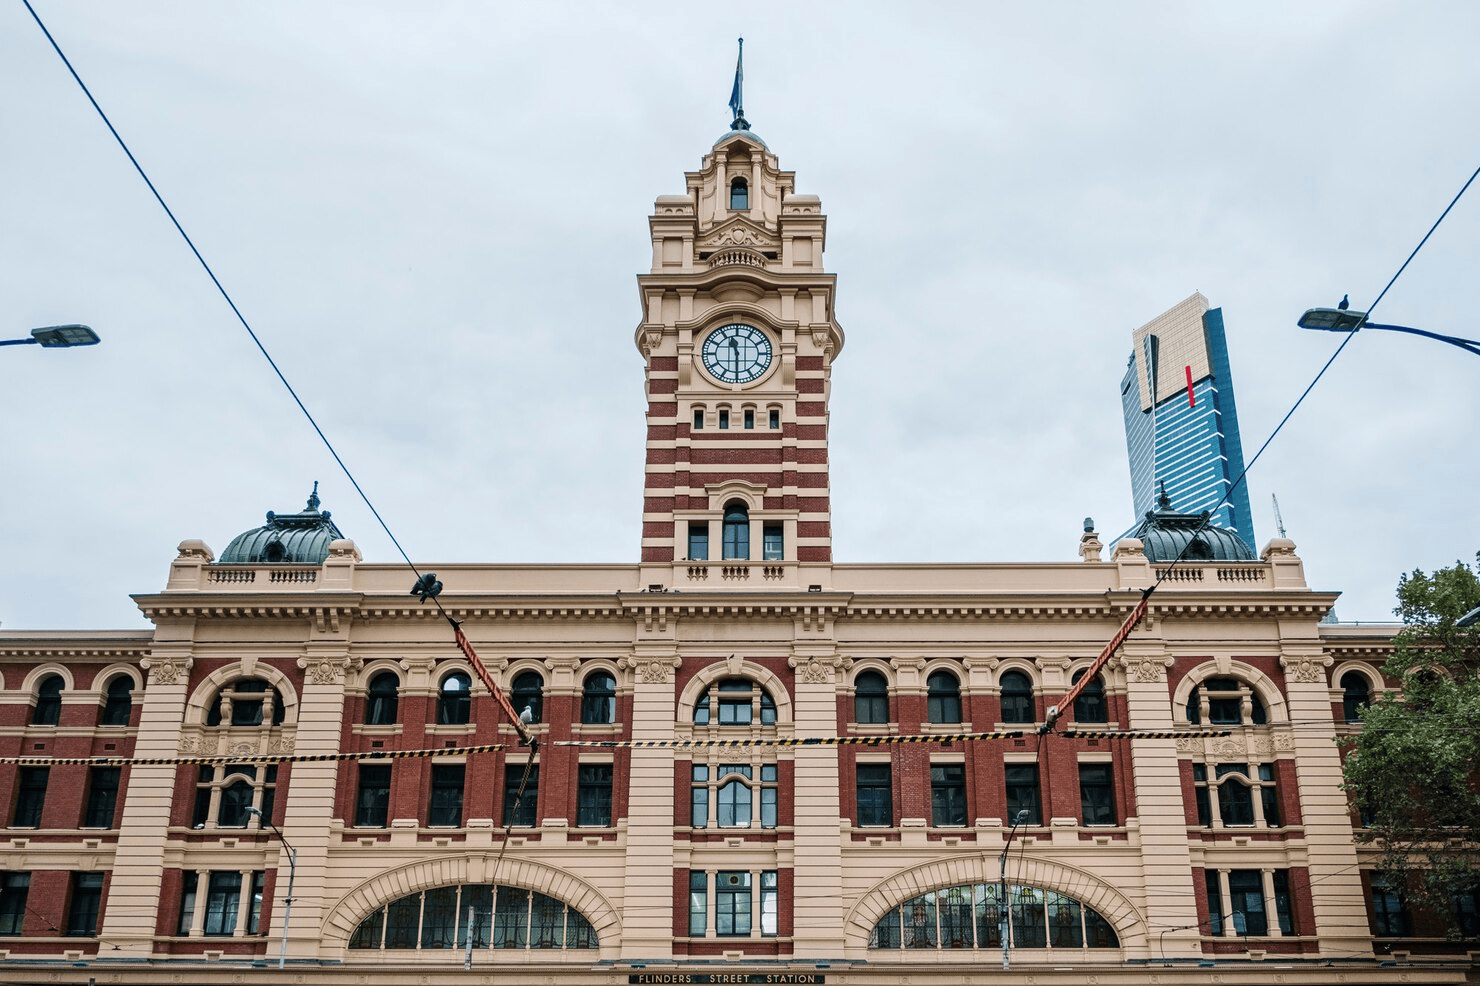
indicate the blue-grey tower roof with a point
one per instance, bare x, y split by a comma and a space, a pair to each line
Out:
1165, 534
286, 539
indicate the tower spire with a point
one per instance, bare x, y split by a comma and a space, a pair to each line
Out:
737, 99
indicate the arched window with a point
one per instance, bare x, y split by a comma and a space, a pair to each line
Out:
968, 916
739, 194
48, 710
119, 704
527, 692
1356, 694
870, 698
1017, 697
382, 702
502, 917
1090, 705
734, 702
1222, 701
944, 697
246, 702
599, 698
736, 531
455, 700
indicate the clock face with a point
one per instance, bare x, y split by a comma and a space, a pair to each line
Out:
736, 353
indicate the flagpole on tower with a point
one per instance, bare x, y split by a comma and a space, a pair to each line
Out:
737, 100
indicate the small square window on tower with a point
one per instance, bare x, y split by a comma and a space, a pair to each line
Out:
749, 418
724, 419
775, 416
698, 418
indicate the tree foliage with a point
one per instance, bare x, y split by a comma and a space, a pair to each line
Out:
1414, 768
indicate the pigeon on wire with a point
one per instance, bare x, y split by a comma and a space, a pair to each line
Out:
427, 587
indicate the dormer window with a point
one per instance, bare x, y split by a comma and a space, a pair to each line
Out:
739, 194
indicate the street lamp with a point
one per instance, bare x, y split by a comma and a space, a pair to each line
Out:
1342, 320
1002, 926
57, 337
292, 872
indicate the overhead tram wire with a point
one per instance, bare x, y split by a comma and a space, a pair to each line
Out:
1131, 621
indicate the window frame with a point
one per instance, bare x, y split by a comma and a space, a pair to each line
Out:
455, 705
527, 690
599, 705
735, 531
1097, 713
1097, 781
102, 798
948, 807
879, 803
1023, 708
113, 702
84, 903
372, 795
943, 705
871, 705
15, 890
594, 795
445, 798
1021, 782
514, 816
383, 705
47, 711
30, 798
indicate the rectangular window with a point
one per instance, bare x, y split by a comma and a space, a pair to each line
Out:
732, 806
254, 917
223, 901
87, 897
102, 797
699, 797
189, 880
1283, 910
1389, 915
1215, 902
698, 540
226, 791
373, 799
1269, 795
1235, 799
948, 794
698, 904
30, 797
768, 796
1096, 794
724, 419
775, 418
749, 418
14, 888
1246, 902
1022, 793
517, 810
770, 902
698, 419
1200, 788
447, 794
773, 542
875, 794
732, 903
594, 796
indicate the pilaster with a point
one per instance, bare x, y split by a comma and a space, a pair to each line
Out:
817, 907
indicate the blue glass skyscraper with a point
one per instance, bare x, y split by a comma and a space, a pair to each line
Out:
1181, 425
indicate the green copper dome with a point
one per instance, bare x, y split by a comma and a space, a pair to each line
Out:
286, 539
1165, 534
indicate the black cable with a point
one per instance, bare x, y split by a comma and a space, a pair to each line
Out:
219, 287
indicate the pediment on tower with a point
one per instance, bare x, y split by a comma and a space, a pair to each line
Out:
742, 232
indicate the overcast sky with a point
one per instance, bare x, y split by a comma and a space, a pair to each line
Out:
433, 215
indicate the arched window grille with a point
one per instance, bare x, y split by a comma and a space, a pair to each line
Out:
943, 697
1017, 697
599, 698
968, 917
870, 698
736, 531
501, 917
119, 704
382, 701
734, 702
455, 700
1090, 705
48, 709
527, 692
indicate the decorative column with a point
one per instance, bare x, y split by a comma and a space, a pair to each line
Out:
817, 885
138, 867
1166, 861
1340, 908
310, 802
647, 926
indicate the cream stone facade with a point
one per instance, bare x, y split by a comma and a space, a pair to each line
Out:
753, 764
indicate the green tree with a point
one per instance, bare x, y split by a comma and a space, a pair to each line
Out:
1413, 768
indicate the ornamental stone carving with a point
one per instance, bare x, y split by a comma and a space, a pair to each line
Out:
650, 670
166, 670
1284, 742
1307, 670
814, 671
1189, 744
323, 671
1147, 669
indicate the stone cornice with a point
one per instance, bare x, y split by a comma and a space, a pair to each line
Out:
92, 644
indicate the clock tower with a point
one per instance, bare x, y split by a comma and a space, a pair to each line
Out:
739, 335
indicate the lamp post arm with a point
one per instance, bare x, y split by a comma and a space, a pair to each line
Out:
1470, 345
19, 342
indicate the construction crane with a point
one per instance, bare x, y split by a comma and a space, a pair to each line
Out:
1279, 522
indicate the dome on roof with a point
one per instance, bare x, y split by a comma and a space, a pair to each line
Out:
286, 539
747, 133
1167, 535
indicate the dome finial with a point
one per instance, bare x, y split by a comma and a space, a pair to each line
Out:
1163, 501
313, 498
737, 100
